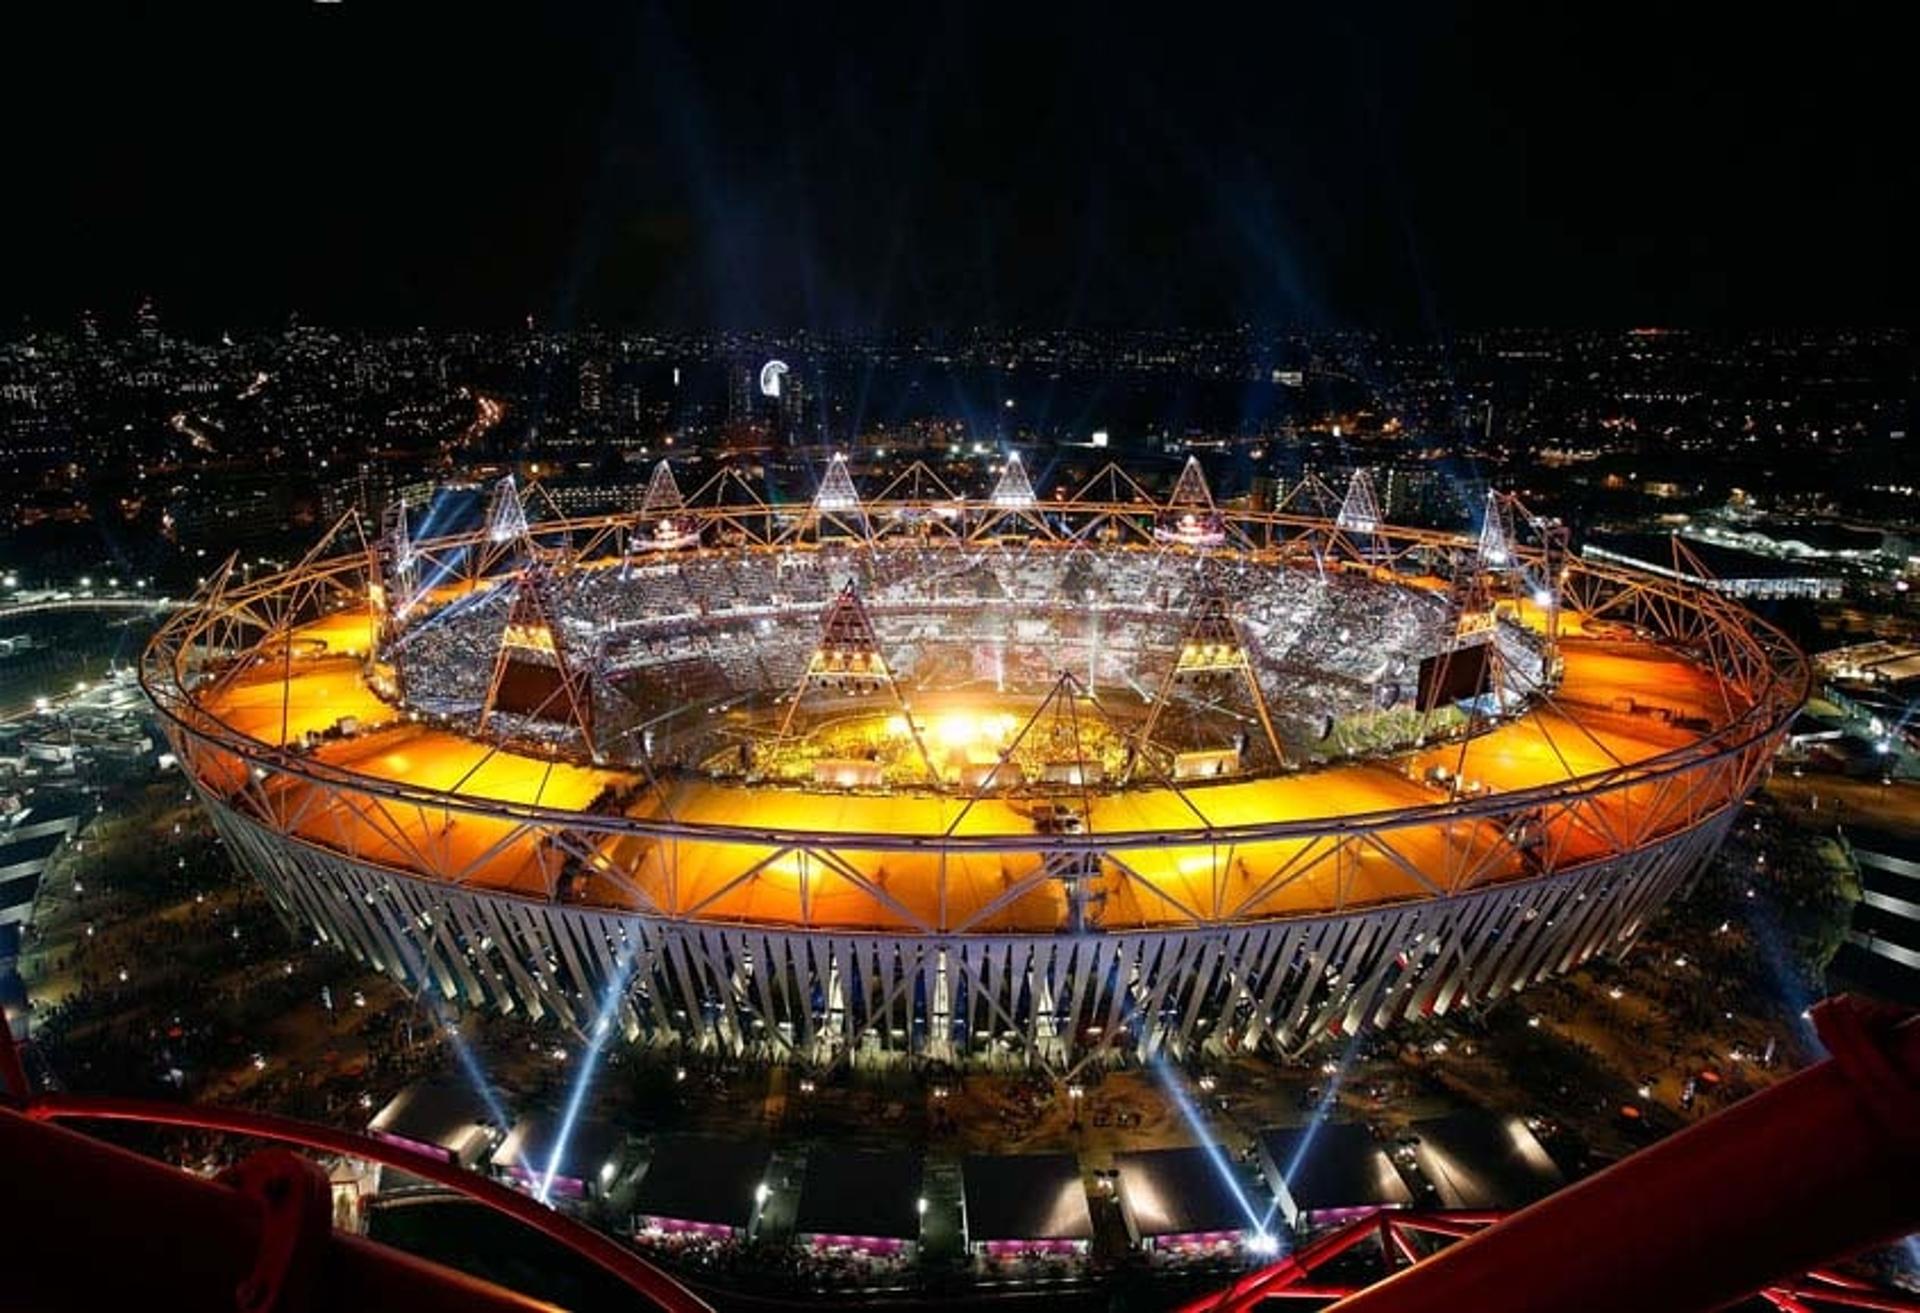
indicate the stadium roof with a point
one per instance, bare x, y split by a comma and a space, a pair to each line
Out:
1179, 1192
1884, 844
528, 1148
44, 805
29, 853
1027, 1196
1482, 1160
853, 1192
443, 1114
693, 1178
1341, 1166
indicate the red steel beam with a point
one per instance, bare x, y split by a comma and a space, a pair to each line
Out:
621, 1263
1278, 1278
90, 1225
1815, 1291
1821, 1165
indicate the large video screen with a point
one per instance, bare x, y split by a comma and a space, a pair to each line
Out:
1450, 677
530, 689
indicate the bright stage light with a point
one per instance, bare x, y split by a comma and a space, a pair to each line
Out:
956, 729
960, 729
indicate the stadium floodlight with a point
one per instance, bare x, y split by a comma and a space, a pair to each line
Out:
837, 493
506, 517
1360, 511
1190, 491
1496, 544
1013, 490
663, 492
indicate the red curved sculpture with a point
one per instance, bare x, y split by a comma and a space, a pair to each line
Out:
1820, 1166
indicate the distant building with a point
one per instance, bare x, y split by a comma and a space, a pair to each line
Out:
371, 488
593, 376
245, 511
1729, 571
585, 497
743, 387
1804, 540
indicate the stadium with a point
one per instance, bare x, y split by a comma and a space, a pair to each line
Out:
1014, 778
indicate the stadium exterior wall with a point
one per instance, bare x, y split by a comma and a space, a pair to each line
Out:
1055, 1001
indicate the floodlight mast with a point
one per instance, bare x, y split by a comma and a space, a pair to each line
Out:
849, 650
533, 635
1212, 645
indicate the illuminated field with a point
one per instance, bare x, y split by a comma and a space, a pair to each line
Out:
1621, 773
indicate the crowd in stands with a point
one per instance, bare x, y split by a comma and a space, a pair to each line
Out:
777, 1267
688, 628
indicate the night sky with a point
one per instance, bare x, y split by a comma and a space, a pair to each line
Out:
844, 168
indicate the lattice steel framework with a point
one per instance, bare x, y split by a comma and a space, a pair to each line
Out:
1359, 1254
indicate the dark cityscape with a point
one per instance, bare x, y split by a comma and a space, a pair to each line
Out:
715, 658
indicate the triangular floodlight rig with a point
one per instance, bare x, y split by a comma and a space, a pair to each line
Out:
837, 507
1189, 517
660, 526
1212, 662
1359, 518
1494, 551
1012, 509
535, 678
848, 659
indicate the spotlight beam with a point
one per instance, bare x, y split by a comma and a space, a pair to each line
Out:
589, 1064
1170, 1079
